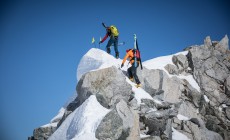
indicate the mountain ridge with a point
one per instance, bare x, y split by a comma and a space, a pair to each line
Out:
184, 94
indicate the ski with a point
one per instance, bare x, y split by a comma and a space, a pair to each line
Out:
137, 48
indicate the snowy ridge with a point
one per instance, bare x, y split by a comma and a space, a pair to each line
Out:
161, 62
96, 59
82, 123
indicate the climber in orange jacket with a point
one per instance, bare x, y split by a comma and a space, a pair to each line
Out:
132, 71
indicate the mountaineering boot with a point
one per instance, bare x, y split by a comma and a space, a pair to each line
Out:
138, 85
117, 55
108, 50
131, 79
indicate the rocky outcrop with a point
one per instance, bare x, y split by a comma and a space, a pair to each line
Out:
121, 123
43, 133
176, 104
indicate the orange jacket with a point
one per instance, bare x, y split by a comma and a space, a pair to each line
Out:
129, 55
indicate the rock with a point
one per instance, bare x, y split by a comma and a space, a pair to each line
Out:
151, 138
43, 133
192, 93
207, 41
109, 85
209, 135
172, 69
121, 123
199, 122
227, 86
227, 111
222, 46
186, 109
158, 80
181, 62
110, 126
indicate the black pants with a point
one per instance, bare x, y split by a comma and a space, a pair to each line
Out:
132, 71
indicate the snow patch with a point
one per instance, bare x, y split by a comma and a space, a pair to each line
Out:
176, 135
139, 93
191, 80
181, 117
82, 123
96, 59
161, 62
206, 99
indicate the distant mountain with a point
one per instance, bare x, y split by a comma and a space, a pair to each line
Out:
183, 96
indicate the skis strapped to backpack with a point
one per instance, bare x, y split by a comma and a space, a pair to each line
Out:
137, 54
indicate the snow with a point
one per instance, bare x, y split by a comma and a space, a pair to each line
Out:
181, 117
96, 59
144, 136
176, 135
140, 93
82, 123
59, 115
206, 99
191, 80
161, 62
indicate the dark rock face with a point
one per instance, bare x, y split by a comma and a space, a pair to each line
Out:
42, 133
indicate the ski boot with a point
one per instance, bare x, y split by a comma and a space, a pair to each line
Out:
117, 55
138, 85
108, 50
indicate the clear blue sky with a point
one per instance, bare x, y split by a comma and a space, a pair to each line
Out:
42, 42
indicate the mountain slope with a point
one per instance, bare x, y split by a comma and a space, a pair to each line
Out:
183, 96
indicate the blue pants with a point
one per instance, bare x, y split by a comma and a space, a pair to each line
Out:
132, 71
113, 40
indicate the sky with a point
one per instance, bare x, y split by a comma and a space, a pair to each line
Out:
42, 42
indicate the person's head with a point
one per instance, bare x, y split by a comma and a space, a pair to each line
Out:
128, 50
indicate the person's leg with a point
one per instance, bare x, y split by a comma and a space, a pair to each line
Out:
130, 72
134, 73
116, 47
108, 45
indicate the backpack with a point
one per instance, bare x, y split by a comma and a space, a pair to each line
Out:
114, 30
137, 54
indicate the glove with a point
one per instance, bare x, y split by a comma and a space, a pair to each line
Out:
122, 65
100, 42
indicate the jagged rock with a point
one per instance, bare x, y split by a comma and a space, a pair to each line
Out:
209, 72
188, 110
207, 41
151, 138
158, 80
209, 135
199, 122
148, 104
192, 93
199, 133
172, 69
43, 133
181, 62
222, 46
227, 110
110, 126
121, 123
109, 86
227, 86
208, 109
